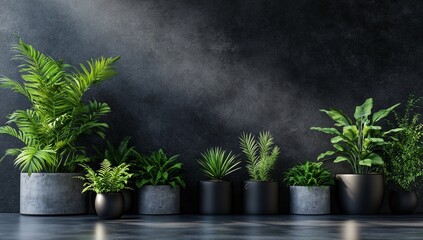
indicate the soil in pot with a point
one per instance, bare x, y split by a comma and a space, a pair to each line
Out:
109, 205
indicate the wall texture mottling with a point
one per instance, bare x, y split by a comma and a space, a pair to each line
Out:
195, 74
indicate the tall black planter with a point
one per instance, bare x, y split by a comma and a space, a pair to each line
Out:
215, 197
402, 202
109, 205
359, 194
261, 197
127, 200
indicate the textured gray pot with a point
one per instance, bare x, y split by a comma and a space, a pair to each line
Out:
310, 200
161, 199
52, 194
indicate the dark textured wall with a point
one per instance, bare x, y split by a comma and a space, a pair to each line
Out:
195, 74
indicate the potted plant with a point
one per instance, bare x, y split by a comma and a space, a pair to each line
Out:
107, 182
309, 188
118, 155
159, 179
49, 129
404, 160
357, 143
261, 194
216, 194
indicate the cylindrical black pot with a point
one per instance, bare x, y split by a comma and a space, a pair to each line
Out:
215, 197
261, 197
360, 194
109, 205
127, 200
402, 202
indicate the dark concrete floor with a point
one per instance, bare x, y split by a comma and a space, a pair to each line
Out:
15, 226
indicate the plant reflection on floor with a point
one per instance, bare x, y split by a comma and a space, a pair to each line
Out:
350, 230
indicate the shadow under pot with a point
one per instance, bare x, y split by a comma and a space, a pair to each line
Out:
215, 197
402, 202
261, 197
109, 205
359, 194
160, 199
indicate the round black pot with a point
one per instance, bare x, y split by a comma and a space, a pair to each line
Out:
109, 205
359, 194
127, 200
261, 197
215, 197
402, 202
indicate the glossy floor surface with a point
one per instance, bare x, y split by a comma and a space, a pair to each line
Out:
15, 226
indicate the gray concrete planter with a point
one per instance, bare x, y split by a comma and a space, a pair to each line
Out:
161, 199
310, 200
52, 194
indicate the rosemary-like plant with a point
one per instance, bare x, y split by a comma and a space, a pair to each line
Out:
261, 155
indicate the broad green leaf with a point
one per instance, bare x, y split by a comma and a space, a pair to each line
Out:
338, 116
340, 159
364, 110
326, 130
325, 154
337, 139
375, 158
383, 113
366, 162
392, 131
350, 132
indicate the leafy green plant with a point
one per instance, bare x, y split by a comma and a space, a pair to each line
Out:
216, 163
58, 116
404, 164
357, 143
120, 154
107, 179
159, 169
261, 155
308, 174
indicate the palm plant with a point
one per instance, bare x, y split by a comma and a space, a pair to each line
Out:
58, 116
216, 163
107, 179
261, 155
308, 174
357, 143
159, 169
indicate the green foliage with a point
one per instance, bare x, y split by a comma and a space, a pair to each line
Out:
158, 169
261, 155
404, 164
357, 143
58, 116
121, 154
107, 179
216, 163
308, 174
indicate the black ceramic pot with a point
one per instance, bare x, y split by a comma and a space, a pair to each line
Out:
215, 197
261, 197
359, 194
127, 200
402, 202
109, 205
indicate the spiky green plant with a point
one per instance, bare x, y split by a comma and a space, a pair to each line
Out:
261, 155
159, 169
120, 154
107, 179
404, 157
357, 142
216, 163
308, 174
58, 116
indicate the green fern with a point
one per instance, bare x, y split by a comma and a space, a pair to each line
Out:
216, 163
119, 154
58, 116
107, 179
261, 155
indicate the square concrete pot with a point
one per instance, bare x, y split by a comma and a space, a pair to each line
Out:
160, 199
52, 194
310, 200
